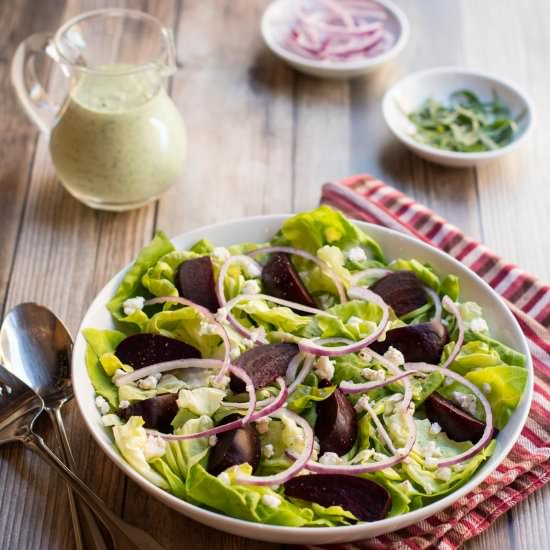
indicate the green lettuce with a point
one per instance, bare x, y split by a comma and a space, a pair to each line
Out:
423, 271
324, 226
101, 342
131, 284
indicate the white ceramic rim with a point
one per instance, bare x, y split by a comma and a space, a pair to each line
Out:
441, 153
303, 535
336, 66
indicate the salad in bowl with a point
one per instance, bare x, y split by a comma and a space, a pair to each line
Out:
305, 381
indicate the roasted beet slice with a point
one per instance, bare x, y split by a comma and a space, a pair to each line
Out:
264, 364
195, 281
142, 350
235, 447
456, 423
422, 342
402, 290
365, 499
336, 424
157, 412
279, 279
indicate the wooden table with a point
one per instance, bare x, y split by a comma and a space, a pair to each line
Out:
262, 140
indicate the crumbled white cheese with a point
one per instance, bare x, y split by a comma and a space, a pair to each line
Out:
102, 405
362, 404
394, 356
234, 352
465, 401
221, 314
443, 474
131, 305
390, 405
252, 269
486, 388
224, 478
357, 254
401, 451
220, 253
435, 428
324, 368
406, 487
448, 381
206, 328
268, 450
459, 467
330, 458
431, 451
148, 383
251, 287
271, 501
212, 440
396, 397
316, 448
155, 447
262, 425
124, 404
248, 342
373, 374
479, 325
257, 334
365, 355
118, 374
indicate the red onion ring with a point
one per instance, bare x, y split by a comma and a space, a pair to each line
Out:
293, 469
487, 433
258, 415
377, 272
451, 307
364, 294
434, 297
206, 313
350, 387
298, 252
168, 366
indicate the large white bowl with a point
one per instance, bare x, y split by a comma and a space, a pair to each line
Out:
261, 229
439, 83
279, 16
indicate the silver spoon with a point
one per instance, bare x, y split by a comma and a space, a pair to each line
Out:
19, 408
36, 347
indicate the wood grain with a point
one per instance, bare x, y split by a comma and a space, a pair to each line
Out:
262, 139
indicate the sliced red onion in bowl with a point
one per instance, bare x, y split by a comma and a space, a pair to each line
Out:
487, 433
361, 293
350, 387
294, 468
251, 416
436, 301
373, 272
451, 307
211, 319
302, 253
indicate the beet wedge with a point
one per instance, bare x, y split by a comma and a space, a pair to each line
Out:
234, 447
195, 281
142, 350
422, 342
455, 422
336, 424
157, 412
365, 499
264, 364
279, 279
402, 290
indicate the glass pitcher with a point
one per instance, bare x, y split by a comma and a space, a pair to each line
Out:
116, 139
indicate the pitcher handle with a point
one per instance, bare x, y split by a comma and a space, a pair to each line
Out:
31, 94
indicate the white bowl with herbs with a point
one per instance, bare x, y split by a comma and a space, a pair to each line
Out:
458, 117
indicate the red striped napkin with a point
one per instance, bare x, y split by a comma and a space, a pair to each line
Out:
527, 467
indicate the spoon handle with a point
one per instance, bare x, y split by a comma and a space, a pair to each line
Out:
122, 532
87, 532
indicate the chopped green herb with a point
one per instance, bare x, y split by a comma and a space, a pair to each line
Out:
467, 124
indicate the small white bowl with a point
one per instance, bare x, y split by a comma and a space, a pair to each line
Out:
439, 83
261, 229
278, 18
